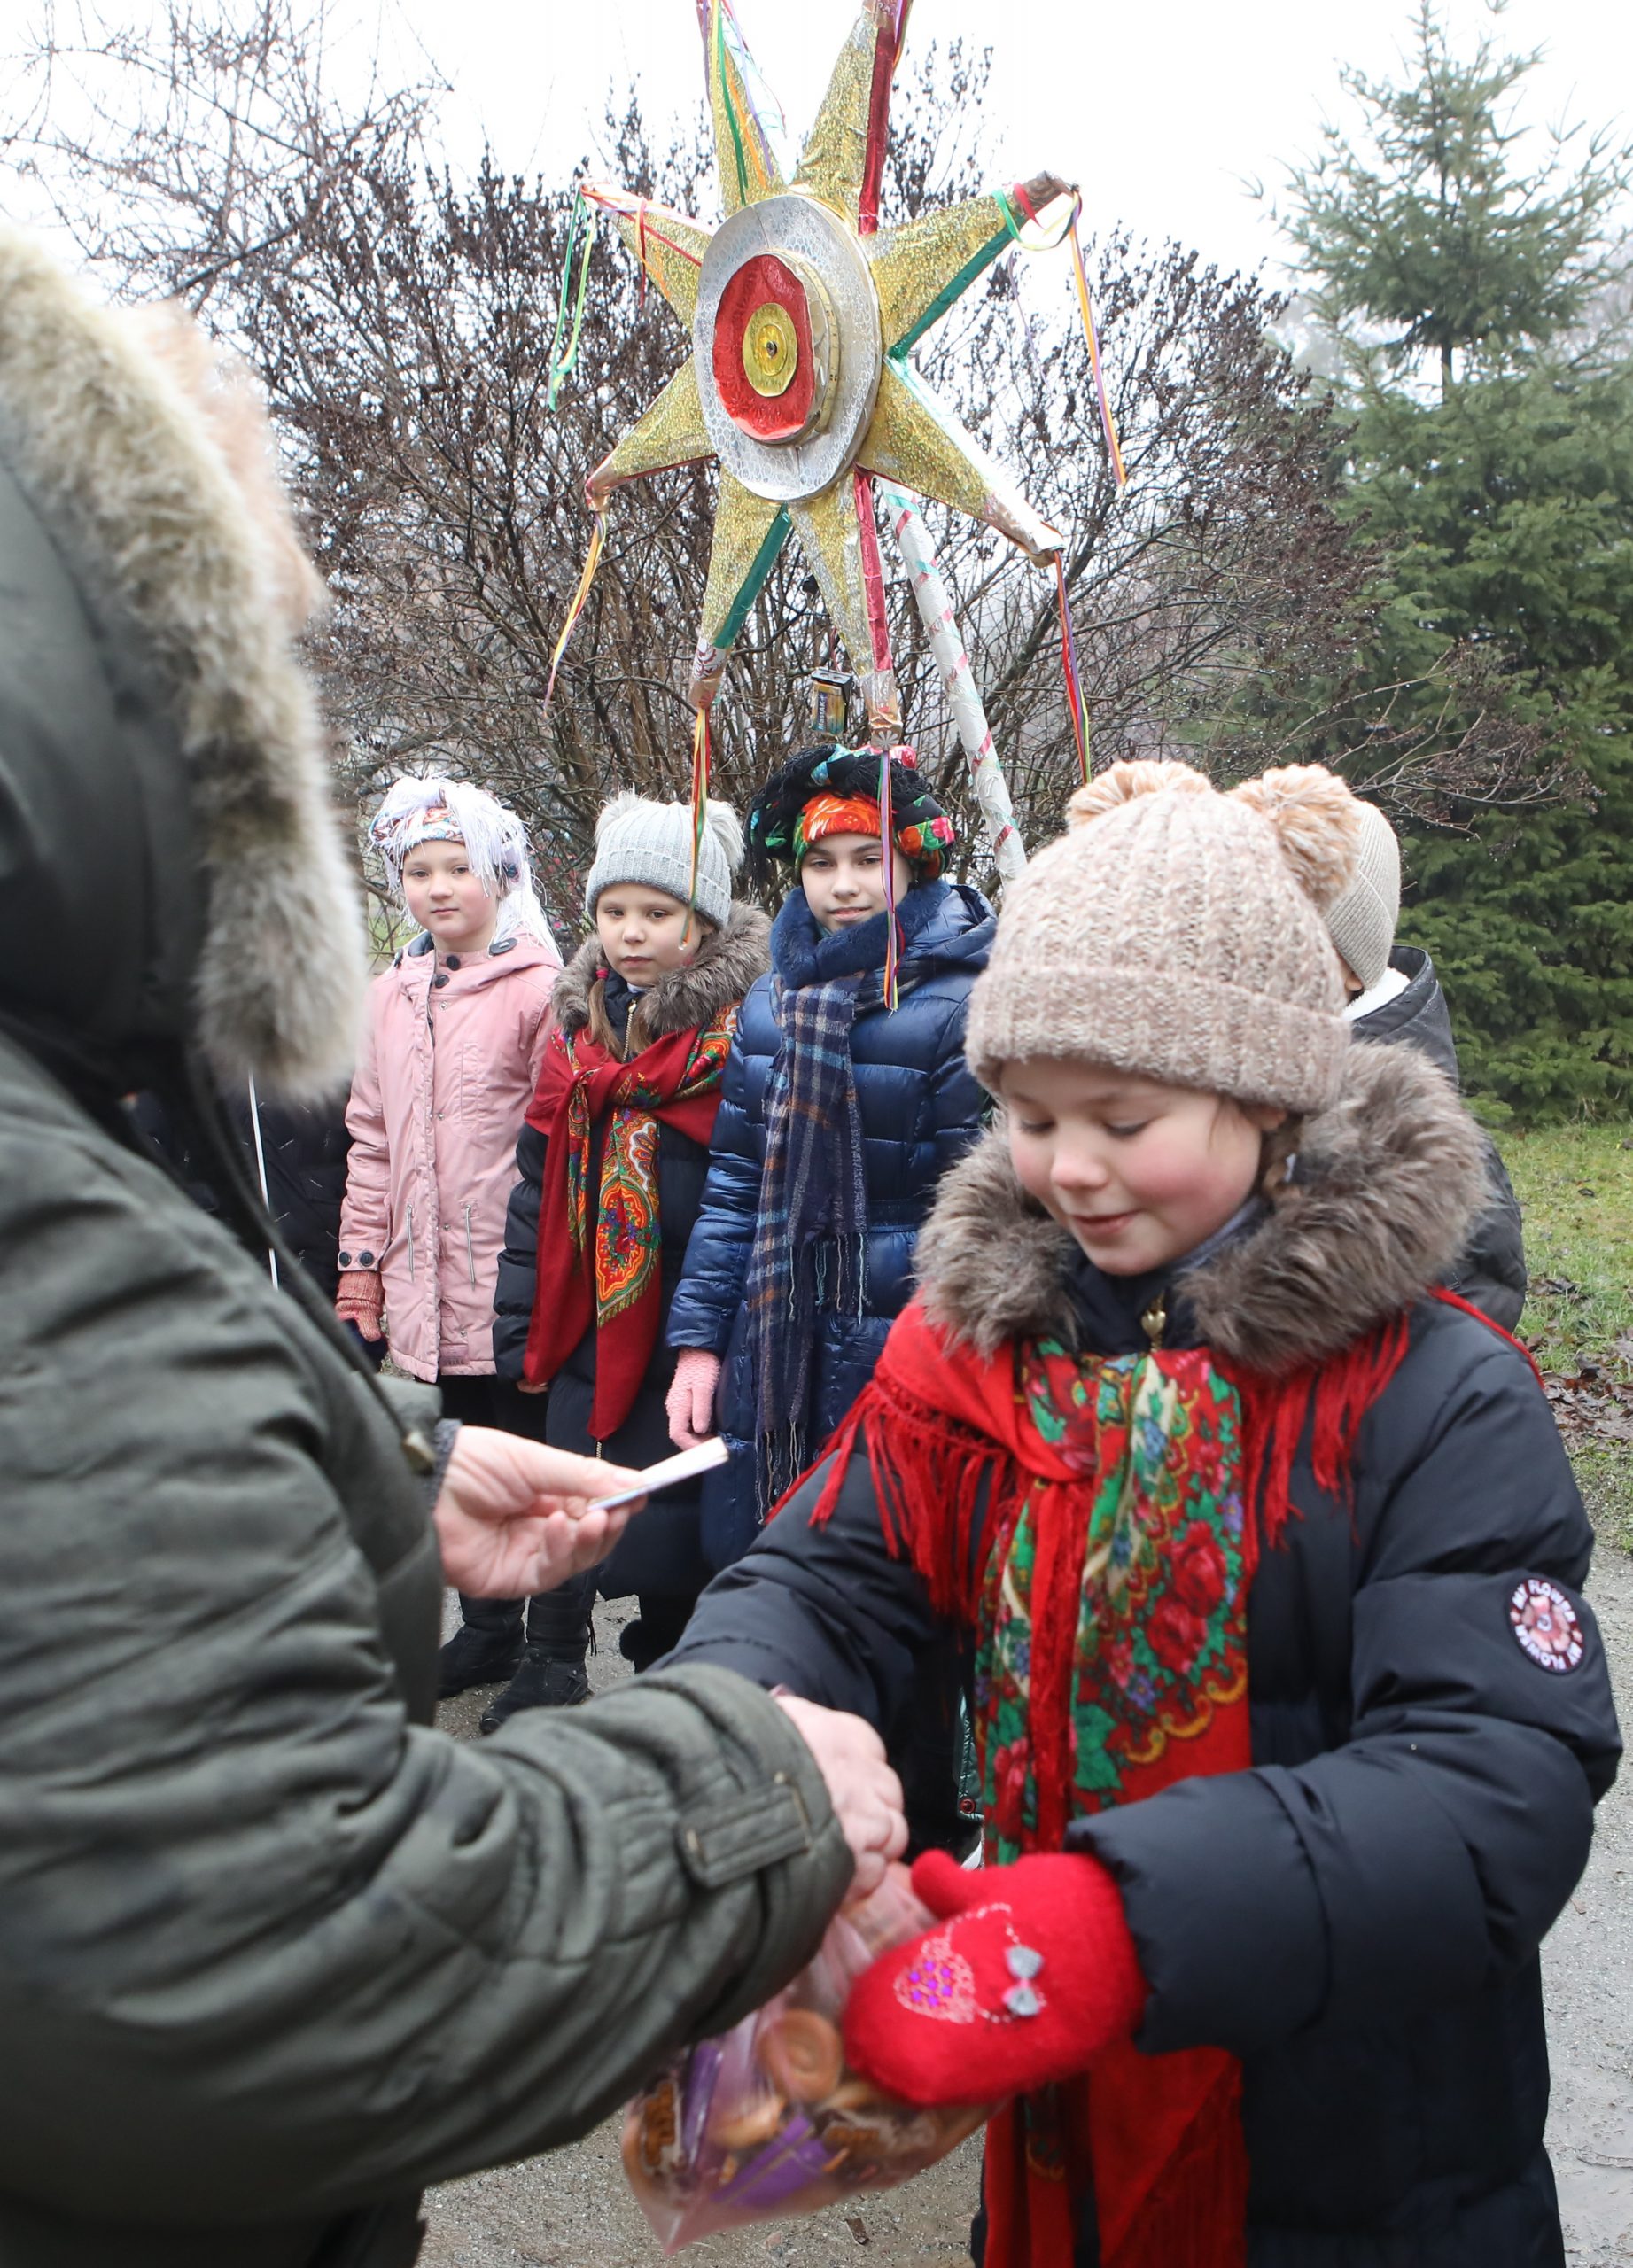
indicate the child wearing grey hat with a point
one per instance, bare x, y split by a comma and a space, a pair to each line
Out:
612, 1165
1395, 995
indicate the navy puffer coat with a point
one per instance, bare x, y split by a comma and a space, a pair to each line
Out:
920, 1110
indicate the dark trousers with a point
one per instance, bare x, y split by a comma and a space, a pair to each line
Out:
560, 1618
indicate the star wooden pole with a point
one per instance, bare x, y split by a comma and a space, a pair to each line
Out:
986, 773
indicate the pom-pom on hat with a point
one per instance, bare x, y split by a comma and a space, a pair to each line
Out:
1179, 933
828, 790
454, 811
638, 841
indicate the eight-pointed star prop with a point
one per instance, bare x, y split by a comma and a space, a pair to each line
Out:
802, 313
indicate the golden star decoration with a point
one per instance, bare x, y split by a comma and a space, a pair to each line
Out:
802, 324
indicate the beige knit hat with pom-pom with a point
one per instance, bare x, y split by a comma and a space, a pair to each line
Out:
1178, 933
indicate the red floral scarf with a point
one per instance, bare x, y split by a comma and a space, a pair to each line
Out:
606, 1270
1085, 1516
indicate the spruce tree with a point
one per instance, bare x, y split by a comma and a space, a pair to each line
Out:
1491, 471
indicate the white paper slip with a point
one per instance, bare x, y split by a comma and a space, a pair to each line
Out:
685, 1464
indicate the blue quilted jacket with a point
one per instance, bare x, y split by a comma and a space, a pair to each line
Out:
920, 1110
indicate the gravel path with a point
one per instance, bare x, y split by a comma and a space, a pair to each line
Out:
574, 2210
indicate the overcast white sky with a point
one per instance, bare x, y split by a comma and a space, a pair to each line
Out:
1164, 110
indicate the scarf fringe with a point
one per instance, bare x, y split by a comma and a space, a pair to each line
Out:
1330, 1399
936, 1484
1196, 2215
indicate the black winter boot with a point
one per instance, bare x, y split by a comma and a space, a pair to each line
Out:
485, 1649
552, 1674
541, 1683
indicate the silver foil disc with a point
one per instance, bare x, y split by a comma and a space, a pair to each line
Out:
789, 471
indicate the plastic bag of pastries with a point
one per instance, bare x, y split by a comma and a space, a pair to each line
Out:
766, 2122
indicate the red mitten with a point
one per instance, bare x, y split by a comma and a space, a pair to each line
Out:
1032, 1973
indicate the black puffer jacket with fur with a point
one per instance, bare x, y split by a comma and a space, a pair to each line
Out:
660, 1554
1358, 1916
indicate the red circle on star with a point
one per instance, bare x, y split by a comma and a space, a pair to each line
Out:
765, 281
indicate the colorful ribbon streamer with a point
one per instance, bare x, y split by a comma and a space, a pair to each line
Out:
700, 809
887, 858
1069, 659
1107, 419
1007, 201
581, 598
560, 365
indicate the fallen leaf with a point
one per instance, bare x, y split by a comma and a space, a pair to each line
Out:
857, 2228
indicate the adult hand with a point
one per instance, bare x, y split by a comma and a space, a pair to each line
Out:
866, 1794
690, 1403
360, 1297
513, 1518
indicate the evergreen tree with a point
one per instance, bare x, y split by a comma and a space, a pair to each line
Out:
1498, 507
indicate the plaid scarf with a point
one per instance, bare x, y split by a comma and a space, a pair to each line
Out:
810, 1241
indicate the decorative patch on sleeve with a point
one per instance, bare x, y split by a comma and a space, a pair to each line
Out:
1547, 1625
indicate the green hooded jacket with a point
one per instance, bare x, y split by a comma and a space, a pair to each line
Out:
273, 1953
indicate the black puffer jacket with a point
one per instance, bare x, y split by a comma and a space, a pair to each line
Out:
660, 1553
1358, 1916
304, 1148
1490, 1269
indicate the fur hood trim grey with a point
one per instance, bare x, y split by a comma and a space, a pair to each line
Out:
726, 965
1389, 1184
175, 530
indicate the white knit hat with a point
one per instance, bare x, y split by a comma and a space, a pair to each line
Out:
1361, 921
1178, 933
638, 841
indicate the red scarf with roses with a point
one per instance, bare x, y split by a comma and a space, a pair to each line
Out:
1085, 1515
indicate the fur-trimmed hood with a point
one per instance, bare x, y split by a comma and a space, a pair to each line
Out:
726, 965
177, 871
1389, 1183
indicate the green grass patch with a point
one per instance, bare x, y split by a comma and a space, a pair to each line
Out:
1575, 1186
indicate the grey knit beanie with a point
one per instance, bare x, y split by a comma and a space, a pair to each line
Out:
1177, 932
638, 841
1361, 919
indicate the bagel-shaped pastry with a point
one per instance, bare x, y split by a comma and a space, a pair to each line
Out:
803, 2053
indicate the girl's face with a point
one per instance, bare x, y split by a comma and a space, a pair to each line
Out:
445, 895
843, 877
1140, 1172
642, 932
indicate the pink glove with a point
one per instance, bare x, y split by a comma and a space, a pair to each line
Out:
690, 1403
1031, 1975
360, 1298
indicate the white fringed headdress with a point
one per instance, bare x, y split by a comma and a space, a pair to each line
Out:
453, 811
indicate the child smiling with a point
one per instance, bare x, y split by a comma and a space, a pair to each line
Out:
1290, 1712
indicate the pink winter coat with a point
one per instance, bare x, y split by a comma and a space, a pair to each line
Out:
447, 1074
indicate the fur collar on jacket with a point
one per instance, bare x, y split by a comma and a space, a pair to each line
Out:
1389, 1184
726, 965
156, 485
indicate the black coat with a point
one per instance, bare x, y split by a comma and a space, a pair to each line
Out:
1359, 1916
659, 1555
304, 1146
1490, 1270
